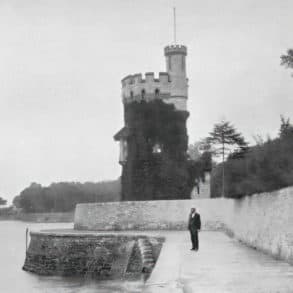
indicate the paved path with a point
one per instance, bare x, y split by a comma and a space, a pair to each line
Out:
221, 265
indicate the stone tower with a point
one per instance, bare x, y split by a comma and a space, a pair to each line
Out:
176, 69
153, 142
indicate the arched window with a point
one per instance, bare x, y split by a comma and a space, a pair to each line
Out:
131, 95
143, 94
157, 93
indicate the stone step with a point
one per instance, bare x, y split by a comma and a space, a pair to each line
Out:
146, 252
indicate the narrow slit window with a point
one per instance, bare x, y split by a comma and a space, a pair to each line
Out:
157, 93
183, 63
143, 94
169, 63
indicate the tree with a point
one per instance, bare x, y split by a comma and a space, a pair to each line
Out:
287, 60
224, 138
2, 201
267, 166
200, 161
259, 140
286, 127
196, 149
193, 151
63, 196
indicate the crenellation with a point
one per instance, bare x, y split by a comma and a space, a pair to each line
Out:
127, 80
164, 77
175, 49
134, 85
137, 78
173, 81
149, 76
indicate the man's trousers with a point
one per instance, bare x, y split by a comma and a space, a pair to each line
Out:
194, 239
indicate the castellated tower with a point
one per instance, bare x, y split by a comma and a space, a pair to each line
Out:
153, 142
171, 86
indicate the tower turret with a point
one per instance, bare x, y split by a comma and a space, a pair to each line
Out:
176, 69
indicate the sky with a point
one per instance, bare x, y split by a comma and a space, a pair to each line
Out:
62, 62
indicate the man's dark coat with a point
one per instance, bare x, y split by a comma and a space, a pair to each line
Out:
194, 223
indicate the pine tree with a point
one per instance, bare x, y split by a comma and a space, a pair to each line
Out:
286, 127
224, 138
287, 60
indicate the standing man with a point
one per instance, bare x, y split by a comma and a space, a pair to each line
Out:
194, 225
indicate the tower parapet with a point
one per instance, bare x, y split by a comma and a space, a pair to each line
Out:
171, 86
136, 87
175, 49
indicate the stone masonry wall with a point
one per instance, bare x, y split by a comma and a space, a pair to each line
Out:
148, 215
263, 221
91, 255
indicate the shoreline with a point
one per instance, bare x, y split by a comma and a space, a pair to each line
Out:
66, 217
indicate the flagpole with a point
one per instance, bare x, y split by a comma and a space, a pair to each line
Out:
174, 18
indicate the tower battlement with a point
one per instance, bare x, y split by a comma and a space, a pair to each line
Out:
175, 49
137, 87
170, 86
148, 77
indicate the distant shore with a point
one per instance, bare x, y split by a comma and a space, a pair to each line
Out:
65, 217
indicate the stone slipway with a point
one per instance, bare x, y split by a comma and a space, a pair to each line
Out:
222, 265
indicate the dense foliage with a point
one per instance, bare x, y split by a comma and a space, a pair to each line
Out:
198, 168
3, 201
265, 167
287, 60
63, 196
7, 212
157, 163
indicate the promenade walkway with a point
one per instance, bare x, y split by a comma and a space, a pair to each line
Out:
221, 265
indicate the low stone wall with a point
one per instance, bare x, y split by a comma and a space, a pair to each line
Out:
91, 255
148, 215
263, 221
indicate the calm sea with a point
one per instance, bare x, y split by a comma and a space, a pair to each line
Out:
14, 280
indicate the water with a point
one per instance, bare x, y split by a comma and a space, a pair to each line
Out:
14, 280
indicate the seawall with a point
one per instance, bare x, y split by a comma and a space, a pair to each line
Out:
68, 253
263, 221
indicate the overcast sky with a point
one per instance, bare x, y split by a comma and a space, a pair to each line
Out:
61, 63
